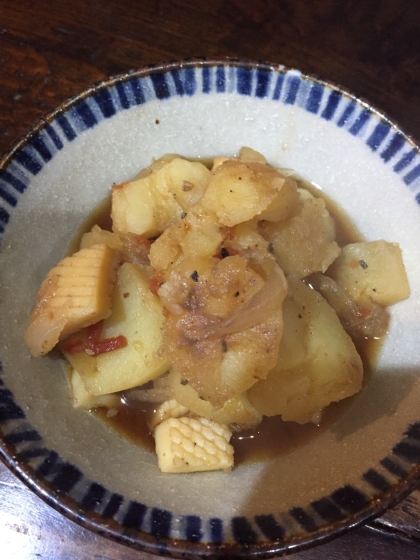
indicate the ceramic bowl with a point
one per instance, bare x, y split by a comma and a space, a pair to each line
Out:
52, 180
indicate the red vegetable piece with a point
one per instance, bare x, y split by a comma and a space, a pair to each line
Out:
107, 345
93, 345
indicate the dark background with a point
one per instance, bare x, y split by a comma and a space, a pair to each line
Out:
50, 50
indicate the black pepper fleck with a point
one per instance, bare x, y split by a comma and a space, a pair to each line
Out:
224, 252
184, 382
194, 276
363, 264
183, 215
187, 186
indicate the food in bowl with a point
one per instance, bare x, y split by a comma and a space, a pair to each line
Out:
220, 296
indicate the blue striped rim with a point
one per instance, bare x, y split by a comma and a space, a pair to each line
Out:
52, 133
412, 175
289, 87
216, 530
377, 481
360, 122
305, 520
244, 81
66, 127
327, 510
104, 100
161, 523
192, 529
9, 410
270, 528
160, 85
262, 83
313, 102
292, 89
87, 116
378, 136
220, 79
393, 147
347, 113
405, 161
28, 160
113, 505
334, 98
206, 80
278, 88
134, 516
137, 91
41, 147
7, 197
394, 468
94, 496
243, 531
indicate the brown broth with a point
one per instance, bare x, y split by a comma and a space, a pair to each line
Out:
273, 437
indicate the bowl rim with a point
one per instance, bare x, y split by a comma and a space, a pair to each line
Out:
140, 539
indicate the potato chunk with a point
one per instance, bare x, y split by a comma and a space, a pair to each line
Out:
372, 271
76, 293
305, 243
137, 315
234, 182
81, 398
147, 206
284, 205
318, 362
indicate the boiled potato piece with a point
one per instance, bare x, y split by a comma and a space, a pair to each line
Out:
305, 243
318, 362
284, 205
81, 398
137, 315
147, 206
237, 411
372, 271
187, 396
248, 154
234, 182
98, 235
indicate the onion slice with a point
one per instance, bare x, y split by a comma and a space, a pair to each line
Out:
254, 312
369, 321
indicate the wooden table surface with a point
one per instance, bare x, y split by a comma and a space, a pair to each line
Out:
50, 50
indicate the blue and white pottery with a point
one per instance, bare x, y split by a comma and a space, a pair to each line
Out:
57, 174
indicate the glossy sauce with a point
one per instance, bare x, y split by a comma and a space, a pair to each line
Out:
273, 437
